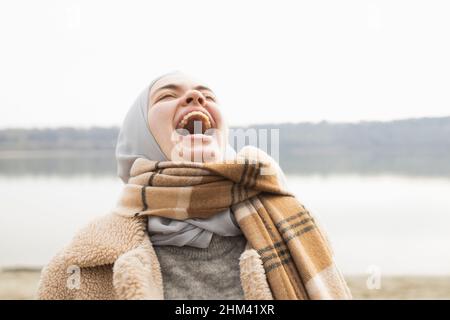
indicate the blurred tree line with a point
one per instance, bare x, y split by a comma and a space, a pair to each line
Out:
59, 138
425, 135
411, 146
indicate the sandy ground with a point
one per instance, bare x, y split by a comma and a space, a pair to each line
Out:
21, 284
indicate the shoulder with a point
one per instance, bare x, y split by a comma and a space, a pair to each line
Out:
98, 244
104, 239
271, 166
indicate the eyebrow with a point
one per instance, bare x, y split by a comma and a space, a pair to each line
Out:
167, 86
203, 88
175, 87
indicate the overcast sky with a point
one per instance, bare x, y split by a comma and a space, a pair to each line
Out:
82, 63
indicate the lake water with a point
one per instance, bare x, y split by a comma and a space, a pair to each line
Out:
397, 224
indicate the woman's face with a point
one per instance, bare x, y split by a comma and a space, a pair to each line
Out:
185, 119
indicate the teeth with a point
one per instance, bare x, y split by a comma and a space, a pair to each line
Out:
199, 114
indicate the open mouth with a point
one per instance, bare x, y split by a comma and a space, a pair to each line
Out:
194, 122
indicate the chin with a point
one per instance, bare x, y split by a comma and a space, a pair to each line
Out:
198, 154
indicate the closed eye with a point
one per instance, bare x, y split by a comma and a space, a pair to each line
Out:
166, 96
209, 97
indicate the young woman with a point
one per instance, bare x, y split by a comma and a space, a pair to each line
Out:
195, 219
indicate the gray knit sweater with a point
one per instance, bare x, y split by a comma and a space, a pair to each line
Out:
210, 273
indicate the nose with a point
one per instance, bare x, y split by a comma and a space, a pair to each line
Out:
194, 97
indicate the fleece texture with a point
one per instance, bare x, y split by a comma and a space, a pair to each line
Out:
113, 258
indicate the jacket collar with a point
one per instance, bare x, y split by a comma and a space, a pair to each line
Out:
105, 239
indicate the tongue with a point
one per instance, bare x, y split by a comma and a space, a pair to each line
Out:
195, 126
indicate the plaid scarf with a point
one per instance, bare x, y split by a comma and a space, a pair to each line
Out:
296, 255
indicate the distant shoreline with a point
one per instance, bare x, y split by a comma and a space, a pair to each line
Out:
414, 147
52, 153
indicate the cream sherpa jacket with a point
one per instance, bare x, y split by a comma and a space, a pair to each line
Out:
113, 258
